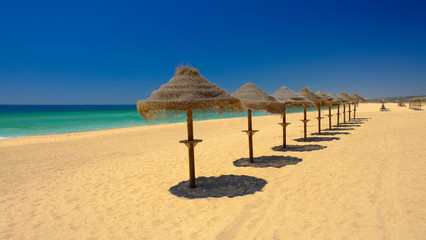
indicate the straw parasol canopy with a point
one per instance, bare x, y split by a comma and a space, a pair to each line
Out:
416, 103
348, 97
345, 100
333, 101
186, 91
253, 98
337, 99
416, 100
290, 98
350, 100
318, 101
341, 101
359, 98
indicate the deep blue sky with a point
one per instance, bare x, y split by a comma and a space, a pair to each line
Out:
116, 52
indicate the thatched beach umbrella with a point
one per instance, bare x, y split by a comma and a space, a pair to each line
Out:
186, 91
290, 98
416, 103
333, 101
345, 101
359, 99
351, 100
340, 100
253, 98
318, 101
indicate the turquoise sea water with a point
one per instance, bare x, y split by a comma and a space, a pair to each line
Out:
24, 120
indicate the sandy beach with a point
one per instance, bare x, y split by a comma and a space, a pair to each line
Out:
365, 181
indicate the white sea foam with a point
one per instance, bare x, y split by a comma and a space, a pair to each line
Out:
4, 138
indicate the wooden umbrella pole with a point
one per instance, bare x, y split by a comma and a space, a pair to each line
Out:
319, 119
284, 125
284, 129
344, 113
338, 114
349, 112
304, 122
250, 135
329, 117
190, 149
354, 110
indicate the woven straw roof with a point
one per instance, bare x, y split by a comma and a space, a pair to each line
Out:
416, 100
359, 98
254, 98
348, 97
318, 101
343, 99
187, 90
338, 98
290, 98
329, 97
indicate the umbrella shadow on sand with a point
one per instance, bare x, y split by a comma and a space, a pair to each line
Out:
354, 122
217, 187
329, 133
357, 121
267, 161
317, 139
298, 148
350, 125
336, 128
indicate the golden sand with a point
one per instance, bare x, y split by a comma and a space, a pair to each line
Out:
114, 184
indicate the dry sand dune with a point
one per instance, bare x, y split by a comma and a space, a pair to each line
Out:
365, 181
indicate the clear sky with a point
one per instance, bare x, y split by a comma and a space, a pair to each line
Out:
116, 52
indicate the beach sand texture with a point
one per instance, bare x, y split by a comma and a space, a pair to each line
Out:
369, 183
